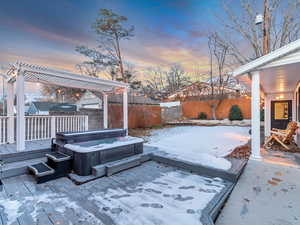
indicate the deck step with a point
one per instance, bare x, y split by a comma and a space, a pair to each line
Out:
123, 164
25, 155
111, 168
19, 168
58, 156
41, 169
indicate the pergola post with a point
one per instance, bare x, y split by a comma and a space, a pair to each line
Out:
255, 116
20, 111
105, 111
10, 113
125, 110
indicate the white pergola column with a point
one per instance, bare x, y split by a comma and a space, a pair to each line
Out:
105, 111
255, 116
10, 113
20, 112
125, 110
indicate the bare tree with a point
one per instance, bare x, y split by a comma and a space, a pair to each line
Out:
161, 83
281, 26
218, 51
111, 29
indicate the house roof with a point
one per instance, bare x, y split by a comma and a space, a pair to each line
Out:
291, 50
197, 89
133, 98
53, 106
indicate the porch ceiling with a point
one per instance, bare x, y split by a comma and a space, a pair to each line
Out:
280, 79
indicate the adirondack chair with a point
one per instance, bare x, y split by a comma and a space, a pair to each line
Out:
282, 137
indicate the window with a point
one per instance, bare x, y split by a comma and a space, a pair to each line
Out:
281, 111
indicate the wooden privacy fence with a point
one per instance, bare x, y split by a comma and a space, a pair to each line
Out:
43, 127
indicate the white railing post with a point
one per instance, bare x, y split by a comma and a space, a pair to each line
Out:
53, 126
86, 122
10, 114
125, 110
20, 111
105, 111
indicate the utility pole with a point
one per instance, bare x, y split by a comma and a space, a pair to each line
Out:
266, 28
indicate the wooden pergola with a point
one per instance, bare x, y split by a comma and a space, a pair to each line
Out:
20, 73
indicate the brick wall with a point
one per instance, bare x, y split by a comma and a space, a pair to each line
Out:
191, 109
139, 116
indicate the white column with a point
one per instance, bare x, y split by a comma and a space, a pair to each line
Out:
10, 113
255, 116
105, 111
125, 110
267, 115
20, 112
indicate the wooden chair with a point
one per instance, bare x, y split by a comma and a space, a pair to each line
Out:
283, 137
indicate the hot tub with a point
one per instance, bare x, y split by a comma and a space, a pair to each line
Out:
93, 148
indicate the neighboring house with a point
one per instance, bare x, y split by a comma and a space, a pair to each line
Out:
274, 77
198, 90
90, 100
45, 108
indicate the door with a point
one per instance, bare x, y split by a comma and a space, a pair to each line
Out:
281, 113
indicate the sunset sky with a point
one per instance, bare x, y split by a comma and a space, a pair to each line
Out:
166, 31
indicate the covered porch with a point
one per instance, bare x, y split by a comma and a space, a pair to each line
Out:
274, 83
16, 130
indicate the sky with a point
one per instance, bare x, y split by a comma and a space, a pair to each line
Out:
166, 31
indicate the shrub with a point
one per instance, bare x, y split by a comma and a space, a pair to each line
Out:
235, 113
202, 116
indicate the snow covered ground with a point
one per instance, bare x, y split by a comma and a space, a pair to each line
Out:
198, 144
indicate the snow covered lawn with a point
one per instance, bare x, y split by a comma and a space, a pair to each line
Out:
204, 145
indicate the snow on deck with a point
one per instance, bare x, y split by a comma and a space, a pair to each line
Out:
204, 145
149, 194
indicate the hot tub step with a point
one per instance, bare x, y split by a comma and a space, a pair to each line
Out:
42, 172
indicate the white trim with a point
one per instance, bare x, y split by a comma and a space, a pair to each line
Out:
272, 56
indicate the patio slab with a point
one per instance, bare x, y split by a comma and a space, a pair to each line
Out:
265, 194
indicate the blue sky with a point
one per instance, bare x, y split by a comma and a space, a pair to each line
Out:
166, 31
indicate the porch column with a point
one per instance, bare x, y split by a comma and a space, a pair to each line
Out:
105, 111
255, 116
125, 110
10, 114
267, 115
20, 112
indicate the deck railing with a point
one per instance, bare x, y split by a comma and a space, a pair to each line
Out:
43, 127
3, 129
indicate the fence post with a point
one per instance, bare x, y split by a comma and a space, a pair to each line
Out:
53, 126
86, 122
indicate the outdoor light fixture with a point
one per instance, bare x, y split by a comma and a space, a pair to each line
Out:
259, 19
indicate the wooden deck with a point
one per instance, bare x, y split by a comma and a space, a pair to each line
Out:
29, 146
148, 194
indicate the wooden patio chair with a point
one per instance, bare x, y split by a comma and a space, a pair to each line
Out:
282, 137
